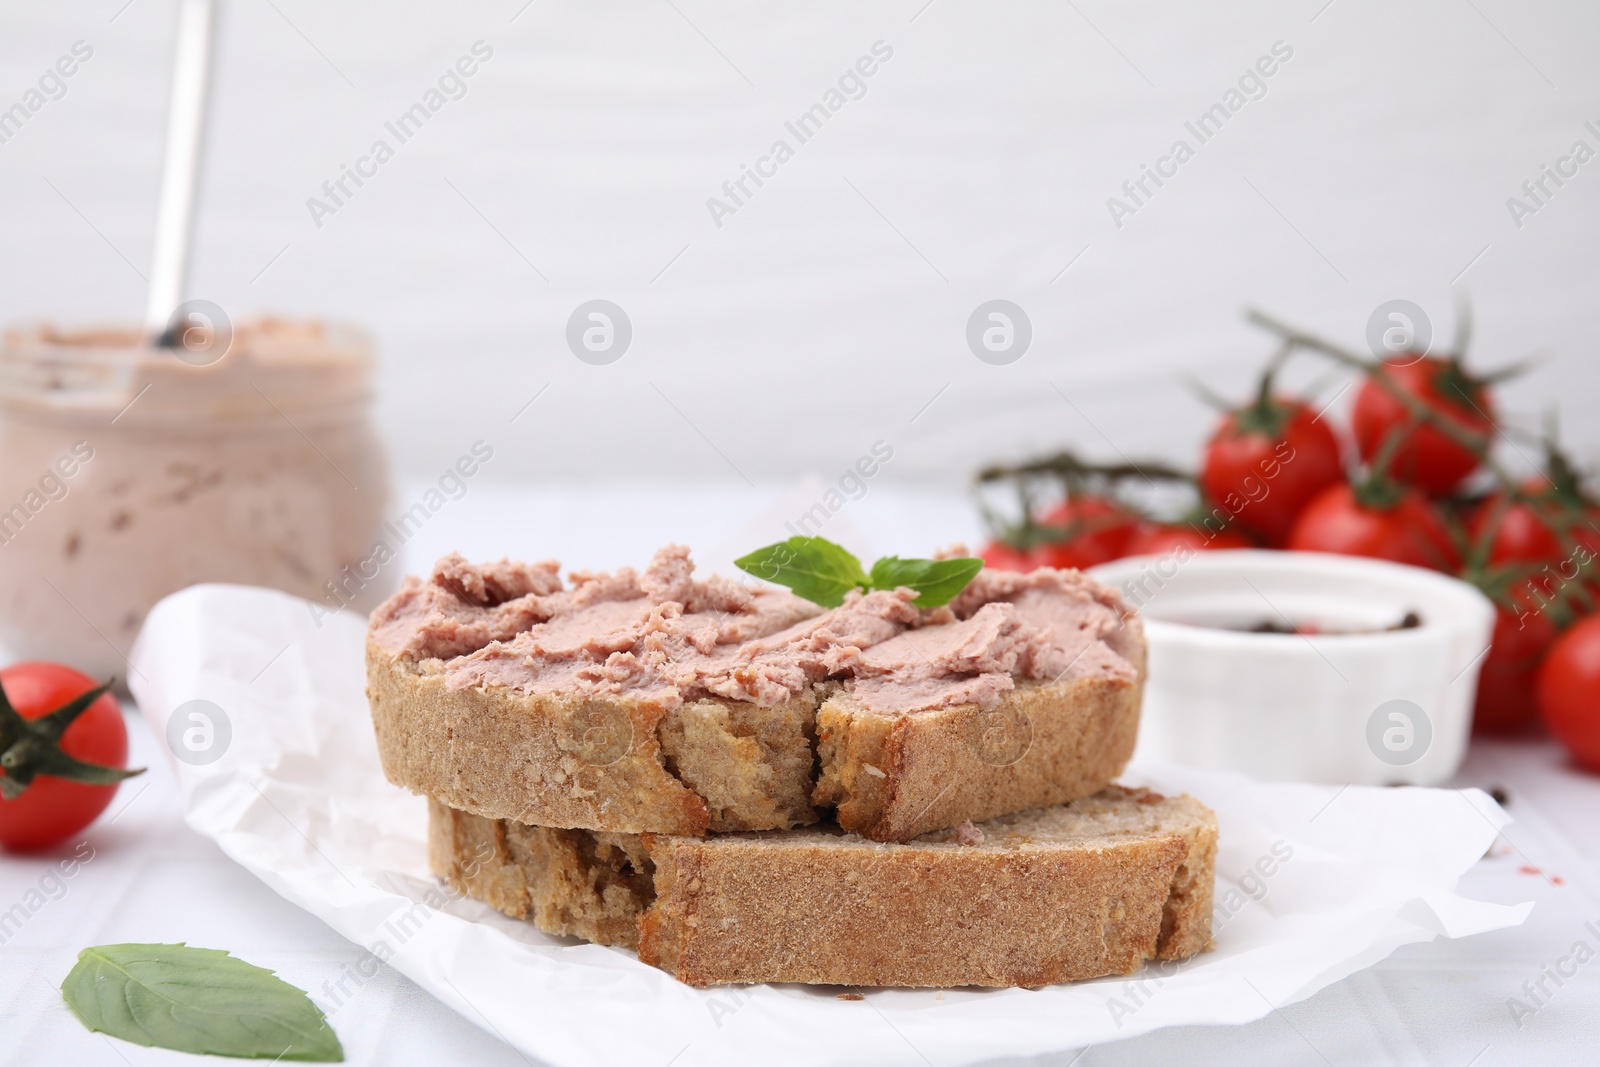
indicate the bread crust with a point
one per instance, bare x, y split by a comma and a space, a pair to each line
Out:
630, 766
550, 760
1059, 894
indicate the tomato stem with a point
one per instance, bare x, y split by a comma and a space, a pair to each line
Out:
1378, 490
1068, 466
1075, 476
1265, 415
1476, 443
31, 747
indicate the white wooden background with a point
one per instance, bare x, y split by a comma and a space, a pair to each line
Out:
830, 309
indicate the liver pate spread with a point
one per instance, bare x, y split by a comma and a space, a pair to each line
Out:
664, 636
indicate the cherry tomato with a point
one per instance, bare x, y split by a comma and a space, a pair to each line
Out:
1409, 531
52, 809
1264, 465
1587, 555
1521, 536
1096, 531
1159, 540
1529, 534
1569, 691
1000, 556
1507, 700
1428, 459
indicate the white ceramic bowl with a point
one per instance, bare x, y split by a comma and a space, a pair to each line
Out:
1369, 708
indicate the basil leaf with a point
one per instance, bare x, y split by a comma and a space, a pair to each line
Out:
937, 580
823, 572
198, 1000
815, 568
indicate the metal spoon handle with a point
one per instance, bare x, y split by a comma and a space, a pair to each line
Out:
180, 169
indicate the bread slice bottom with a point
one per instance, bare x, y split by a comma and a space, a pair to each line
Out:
1059, 894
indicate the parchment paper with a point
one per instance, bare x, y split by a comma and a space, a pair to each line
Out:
1313, 882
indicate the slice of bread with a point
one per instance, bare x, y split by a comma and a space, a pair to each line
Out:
1055, 894
629, 765
653, 703
601, 764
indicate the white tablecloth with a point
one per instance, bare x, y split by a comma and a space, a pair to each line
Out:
152, 879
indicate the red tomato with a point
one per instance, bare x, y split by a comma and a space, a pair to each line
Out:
1003, 557
1428, 459
1587, 556
1584, 560
1528, 535
1410, 531
1569, 691
1159, 540
52, 809
1095, 531
1264, 466
1507, 701
1523, 535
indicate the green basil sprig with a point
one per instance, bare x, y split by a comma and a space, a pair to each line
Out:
823, 572
199, 1000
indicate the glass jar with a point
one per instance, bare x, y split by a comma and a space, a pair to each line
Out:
129, 472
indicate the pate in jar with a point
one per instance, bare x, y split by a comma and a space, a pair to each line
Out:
129, 472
